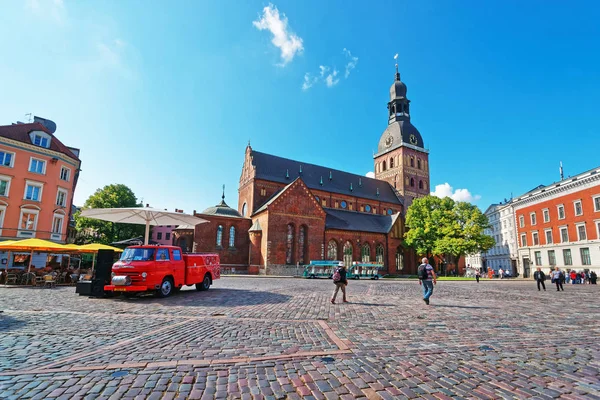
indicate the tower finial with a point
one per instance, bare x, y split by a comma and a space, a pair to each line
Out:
397, 73
223, 196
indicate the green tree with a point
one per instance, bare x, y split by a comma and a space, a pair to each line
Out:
94, 230
446, 228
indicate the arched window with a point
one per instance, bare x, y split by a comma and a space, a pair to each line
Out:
419, 163
365, 253
244, 209
412, 162
232, 237
392, 162
420, 184
347, 254
220, 236
379, 253
302, 244
384, 166
289, 252
412, 182
332, 249
399, 259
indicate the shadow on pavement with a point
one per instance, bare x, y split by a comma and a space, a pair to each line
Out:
455, 306
214, 297
9, 323
369, 304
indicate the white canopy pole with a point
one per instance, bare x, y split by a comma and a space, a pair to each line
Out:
147, 234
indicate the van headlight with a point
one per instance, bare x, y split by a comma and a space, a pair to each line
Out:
144, 275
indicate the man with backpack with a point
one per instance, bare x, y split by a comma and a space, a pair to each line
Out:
427, 279
340, 281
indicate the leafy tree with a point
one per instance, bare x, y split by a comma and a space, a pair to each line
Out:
446, 228
94, 230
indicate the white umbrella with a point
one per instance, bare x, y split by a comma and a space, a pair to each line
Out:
141, 215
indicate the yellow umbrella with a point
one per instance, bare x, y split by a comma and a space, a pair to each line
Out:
32, 245
94, 248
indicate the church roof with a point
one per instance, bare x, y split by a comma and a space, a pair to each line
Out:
356, 221
222, 210
399, 133
283, 170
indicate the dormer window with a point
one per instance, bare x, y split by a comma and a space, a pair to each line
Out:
41, 139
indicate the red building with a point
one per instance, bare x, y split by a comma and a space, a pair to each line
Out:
291, 212
559, 225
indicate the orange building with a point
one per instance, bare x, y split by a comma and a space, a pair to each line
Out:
559, 225
38, 176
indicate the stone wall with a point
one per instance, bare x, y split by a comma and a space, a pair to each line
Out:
281, 270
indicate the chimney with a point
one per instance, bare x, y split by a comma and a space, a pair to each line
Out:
147, 205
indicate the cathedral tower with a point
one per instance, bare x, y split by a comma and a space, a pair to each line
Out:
401, 157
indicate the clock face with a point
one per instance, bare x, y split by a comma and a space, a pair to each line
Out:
413, 139
389, 140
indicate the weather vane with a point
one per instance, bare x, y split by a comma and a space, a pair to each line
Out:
396, 58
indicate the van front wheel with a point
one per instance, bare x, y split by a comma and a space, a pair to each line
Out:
166, 288
205, 285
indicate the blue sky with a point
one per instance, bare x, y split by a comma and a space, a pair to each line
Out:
164, 96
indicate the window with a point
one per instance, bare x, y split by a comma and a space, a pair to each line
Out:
536, 239
399, 259
585, 256
332, 250
418, 163
365, 253
521, 221
347, 254
578, 209
551, 257
368, 208
561, 212
176, 255
597, 229
219, 236
6, 158
33, 191
65, 173
533, 218
392, 162
390, 211
61, 198
28, 219
232, 237
597, 203
318, 199
2, 214
289, 253
168, 236
538, 258
567, 257
384, 168
412, 182
245, 209
4, 185
564, 235
40, 140
159, 236
420, 184
546, 215
549, 236
37, 166
523, 240
324, 203
57, 222
412, 162
343, 204
162, 255
581, 233
379, 254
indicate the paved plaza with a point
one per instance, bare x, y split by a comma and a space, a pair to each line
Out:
277, 338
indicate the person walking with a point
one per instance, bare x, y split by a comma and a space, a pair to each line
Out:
477, 275
593, 277
573, 277
340, 281
540, 277
557, 277
501, 272
427, 279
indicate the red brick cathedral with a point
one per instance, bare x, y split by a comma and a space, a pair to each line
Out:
290, 212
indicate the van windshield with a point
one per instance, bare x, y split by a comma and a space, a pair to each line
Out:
137, 254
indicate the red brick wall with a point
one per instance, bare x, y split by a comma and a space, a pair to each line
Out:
205, 238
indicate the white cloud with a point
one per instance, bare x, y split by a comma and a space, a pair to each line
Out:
331, 80
445, 190
53, 10
285, 40
351, 63
370, 174
309, 81
396, 56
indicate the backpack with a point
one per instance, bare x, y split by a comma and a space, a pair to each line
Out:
422, 272
336, 275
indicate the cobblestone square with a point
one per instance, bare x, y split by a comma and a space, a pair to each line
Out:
277, 338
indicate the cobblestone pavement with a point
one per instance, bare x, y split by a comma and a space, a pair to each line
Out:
266, 338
